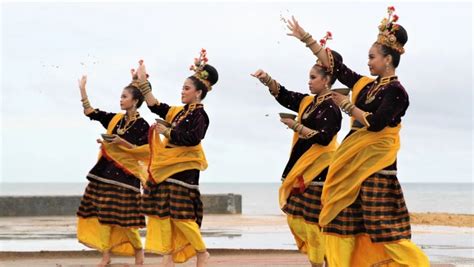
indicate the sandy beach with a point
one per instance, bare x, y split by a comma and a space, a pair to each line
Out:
433, 218
219, 257
233, 240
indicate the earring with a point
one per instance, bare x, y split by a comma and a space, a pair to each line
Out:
327, 86
386, 67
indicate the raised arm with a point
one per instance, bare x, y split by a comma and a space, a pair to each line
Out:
84, 99
94, 114
288, 99
298, 32
141, 76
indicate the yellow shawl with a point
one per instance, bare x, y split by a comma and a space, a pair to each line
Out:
166, 161
310, 164
131, 160
360, 155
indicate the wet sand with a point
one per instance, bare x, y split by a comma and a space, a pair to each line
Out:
219, 257
234, 240
448, 219
444, 219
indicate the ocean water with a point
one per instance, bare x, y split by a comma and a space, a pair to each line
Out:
262, 198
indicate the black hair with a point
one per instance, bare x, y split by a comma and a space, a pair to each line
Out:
402, 38
212, 78
136, 94
324, 71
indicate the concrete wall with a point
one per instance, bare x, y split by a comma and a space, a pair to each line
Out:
67, 205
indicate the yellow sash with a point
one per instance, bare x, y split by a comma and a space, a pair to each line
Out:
133, 161
358, 86
166, 161
310, 164
360, 155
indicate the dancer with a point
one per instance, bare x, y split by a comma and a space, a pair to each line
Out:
172, 199
109, 214
314, 143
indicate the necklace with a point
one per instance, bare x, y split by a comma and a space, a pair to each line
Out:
376, 86
129, 121
315, 104
183, 115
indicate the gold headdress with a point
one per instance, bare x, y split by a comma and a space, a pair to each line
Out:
198, 68
387, 29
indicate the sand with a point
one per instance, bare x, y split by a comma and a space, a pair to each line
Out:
446, 219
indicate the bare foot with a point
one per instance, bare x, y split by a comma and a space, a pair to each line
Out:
202, 258
139, 257
105, 259
167, 261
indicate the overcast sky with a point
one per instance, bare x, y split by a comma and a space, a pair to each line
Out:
46, 47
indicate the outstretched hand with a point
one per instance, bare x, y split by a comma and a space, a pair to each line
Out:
160, 128
288, 122
261, 75
133, 72
295, 28
338, 98
141, 71
82, 82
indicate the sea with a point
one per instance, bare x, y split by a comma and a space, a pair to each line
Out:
262, 198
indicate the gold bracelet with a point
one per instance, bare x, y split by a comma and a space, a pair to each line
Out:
350, 108
144, 87
344, 102
294, 126
269, 80
301, 128
277, 92
86, 104
311, 43
145, 91
266, 81
319, 50
167, 133
347, 108
346, 105
306, 37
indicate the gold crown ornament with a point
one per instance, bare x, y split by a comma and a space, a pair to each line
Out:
198, 68
387, 29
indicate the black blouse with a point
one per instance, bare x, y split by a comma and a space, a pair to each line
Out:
387, 108
105, 170
325, 119
189, 128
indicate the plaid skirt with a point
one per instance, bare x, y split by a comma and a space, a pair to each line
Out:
306, 205
172, 200
112, 205
378, 211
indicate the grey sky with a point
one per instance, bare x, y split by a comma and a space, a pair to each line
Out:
45, 136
